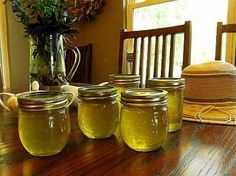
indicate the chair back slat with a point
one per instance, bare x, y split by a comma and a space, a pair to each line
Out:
153, 51
141, 62
163, 61
121, 49
172, 53
149, 53
156, 57
223, 29
218, 41
187, 45
135, 55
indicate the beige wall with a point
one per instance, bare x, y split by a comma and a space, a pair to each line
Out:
103, 33
18, 53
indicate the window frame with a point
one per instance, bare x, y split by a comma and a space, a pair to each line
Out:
231, 18
5, 67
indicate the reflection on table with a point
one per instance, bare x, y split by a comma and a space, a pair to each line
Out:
197, 149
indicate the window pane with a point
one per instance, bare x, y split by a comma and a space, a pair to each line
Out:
204, 15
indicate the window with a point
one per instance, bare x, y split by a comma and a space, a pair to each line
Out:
146, 14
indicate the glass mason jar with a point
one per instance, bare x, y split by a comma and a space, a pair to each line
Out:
144, 123
175, 87
98, 111
44, 123
124, 81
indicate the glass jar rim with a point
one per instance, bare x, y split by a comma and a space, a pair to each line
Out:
97, 92
144, 97
119, 79
41, 100
167, 83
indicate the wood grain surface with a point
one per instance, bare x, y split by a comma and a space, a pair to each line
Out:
196, 150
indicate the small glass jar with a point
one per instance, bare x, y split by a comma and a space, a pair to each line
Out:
144, 123
98, 111
44, 123
124, 81
175, 87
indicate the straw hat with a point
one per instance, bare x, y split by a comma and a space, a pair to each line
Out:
210, 93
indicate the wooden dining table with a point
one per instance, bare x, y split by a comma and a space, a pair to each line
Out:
195, 150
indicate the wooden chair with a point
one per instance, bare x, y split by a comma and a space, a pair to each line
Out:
151, 53
221, 29
83, 73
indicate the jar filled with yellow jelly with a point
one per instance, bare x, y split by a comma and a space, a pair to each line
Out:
98, 111
144, 123
44, 123
124, 81
175, 87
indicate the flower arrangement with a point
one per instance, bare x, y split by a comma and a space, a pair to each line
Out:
44, 16
45, 22
53, 16
41, 18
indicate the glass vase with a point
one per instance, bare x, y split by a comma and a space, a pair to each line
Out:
47, 61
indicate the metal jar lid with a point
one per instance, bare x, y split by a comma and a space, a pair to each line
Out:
144, 97
97, 92
124, 79
167, 83
41, 100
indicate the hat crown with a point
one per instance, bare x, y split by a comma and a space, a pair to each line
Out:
210, 68
201, 79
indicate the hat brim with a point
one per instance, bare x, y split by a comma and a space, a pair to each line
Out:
214, 113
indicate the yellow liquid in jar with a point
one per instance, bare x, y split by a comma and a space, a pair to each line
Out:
144, 129
98, 118
118, 98
175, 110
121, 89
44, 133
